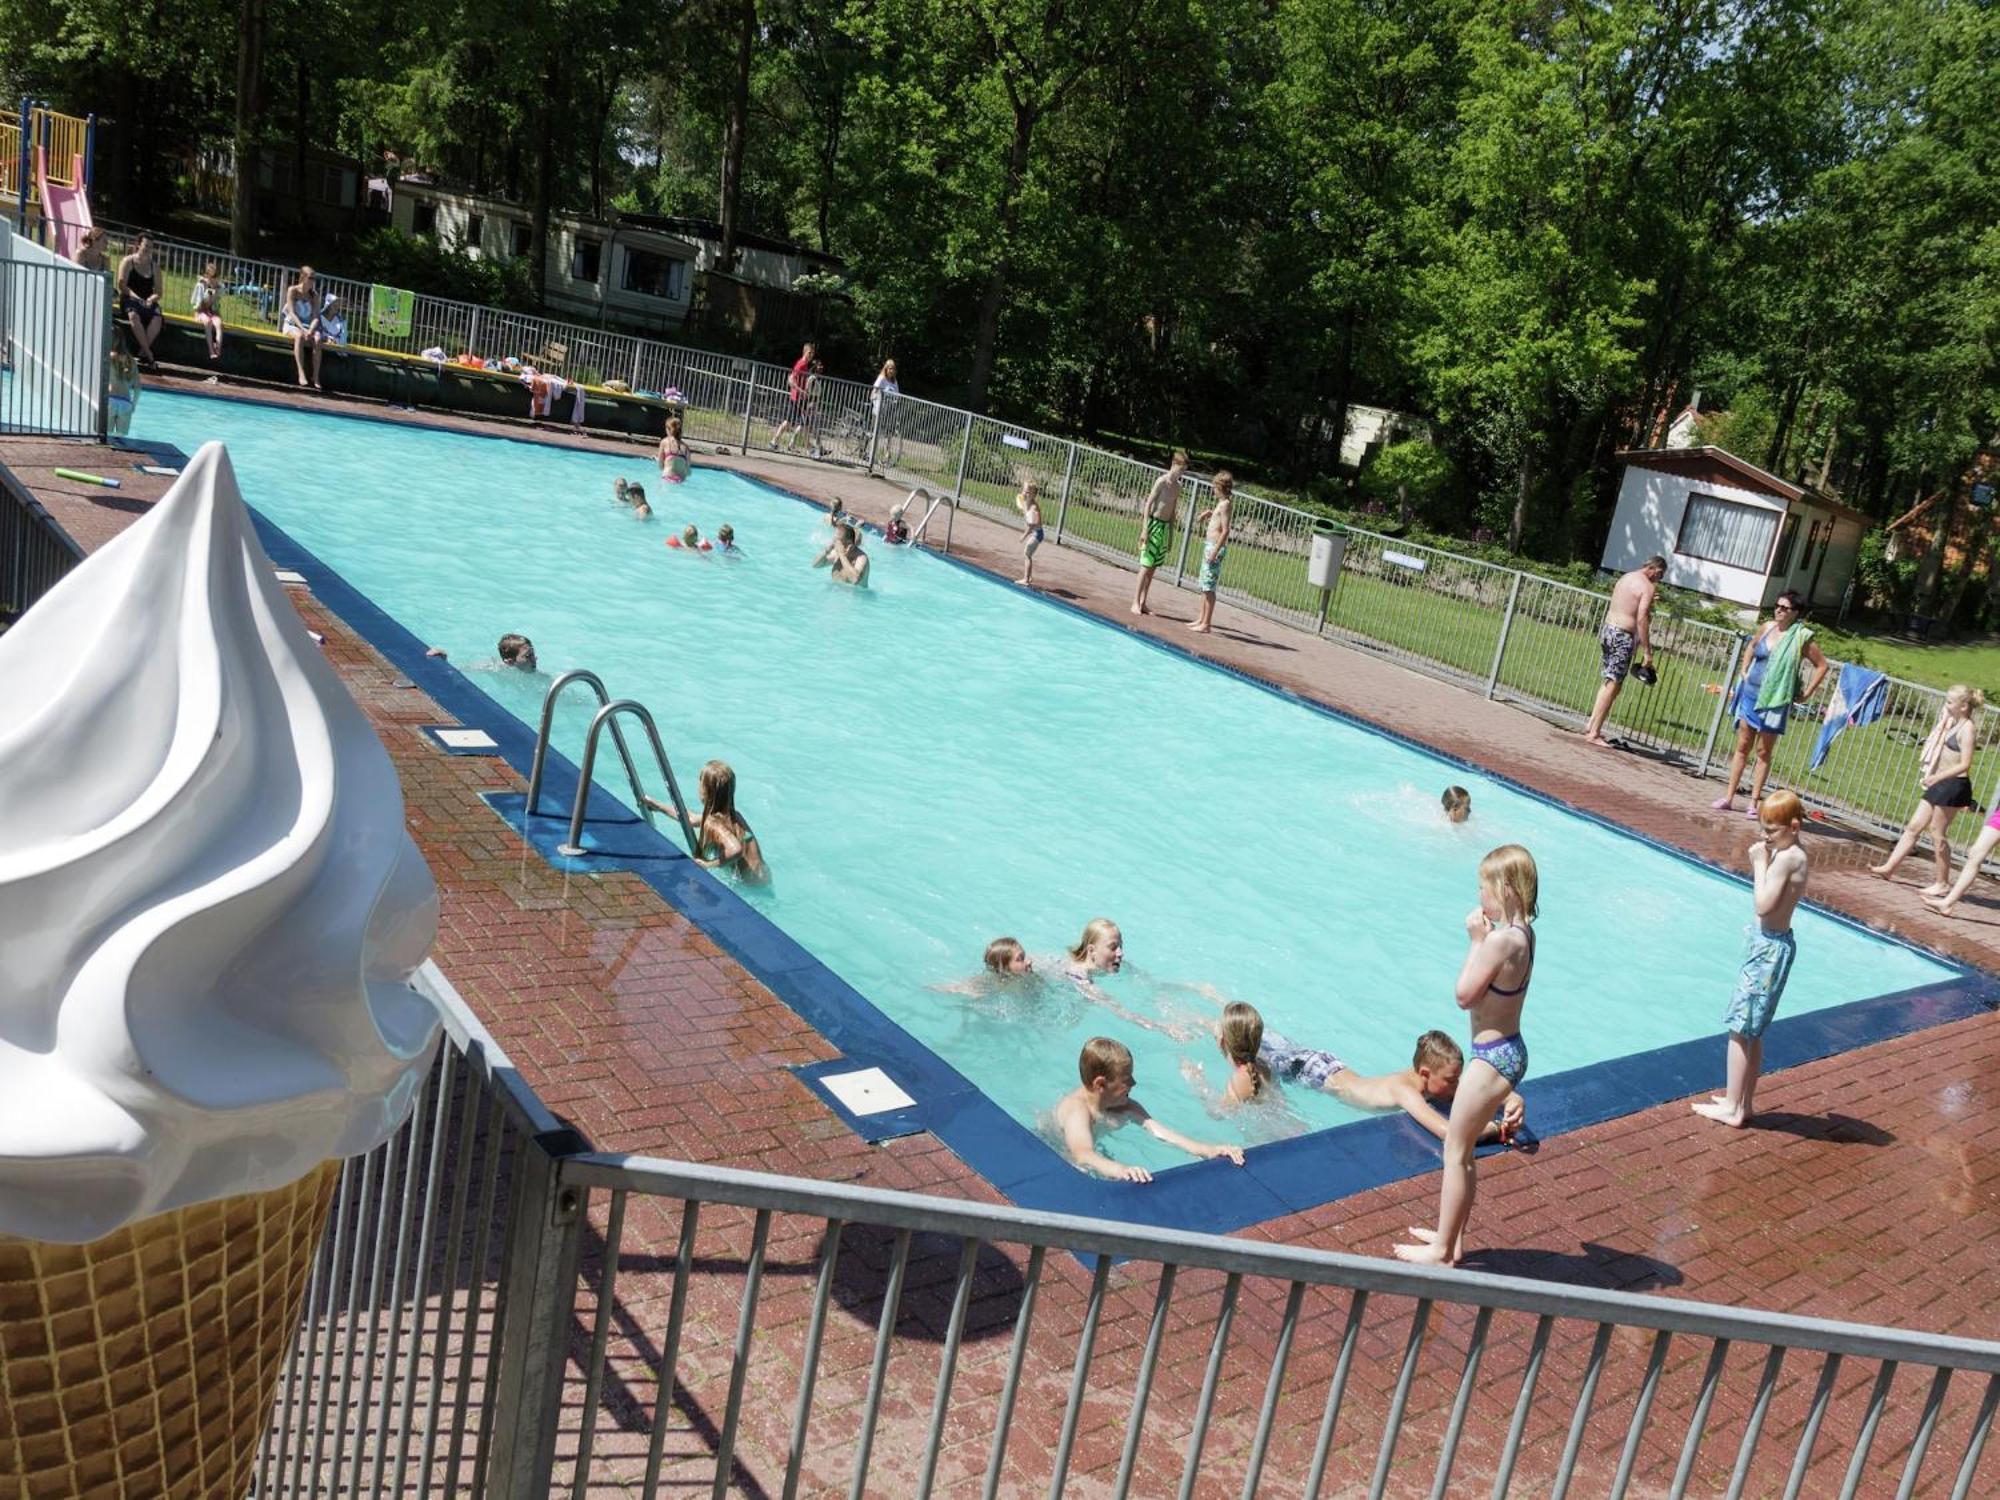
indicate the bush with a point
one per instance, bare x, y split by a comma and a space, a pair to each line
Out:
1887, 586
419, 264
1414, 469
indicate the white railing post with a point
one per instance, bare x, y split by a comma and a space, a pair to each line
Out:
875, 428
749, 402
1187, 534
471, 338
964, 458
1062, 507
1506, 629
638, 348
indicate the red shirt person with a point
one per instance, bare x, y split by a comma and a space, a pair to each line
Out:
795, 414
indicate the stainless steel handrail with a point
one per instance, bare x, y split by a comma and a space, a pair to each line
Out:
607, 716
596, 685
917, 536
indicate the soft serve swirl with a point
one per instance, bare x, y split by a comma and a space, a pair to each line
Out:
210, 907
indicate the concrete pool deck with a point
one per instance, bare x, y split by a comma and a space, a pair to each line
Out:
1871, 1190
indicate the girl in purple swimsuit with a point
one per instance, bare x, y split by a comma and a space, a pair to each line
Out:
1492, 986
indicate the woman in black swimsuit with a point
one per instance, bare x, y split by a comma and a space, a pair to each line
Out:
139, 298
1947, 783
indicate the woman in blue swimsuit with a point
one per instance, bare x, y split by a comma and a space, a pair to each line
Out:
1763, 726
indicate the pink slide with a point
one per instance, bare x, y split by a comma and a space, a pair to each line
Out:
67, 208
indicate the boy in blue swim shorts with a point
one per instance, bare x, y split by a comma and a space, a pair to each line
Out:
1423, 1091
1778, 880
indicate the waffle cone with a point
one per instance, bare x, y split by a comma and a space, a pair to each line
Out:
144, 1363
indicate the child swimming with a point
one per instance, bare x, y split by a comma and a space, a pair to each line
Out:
1006, 957
1492, 988
723, 840
1457, 802
725, 540
1105, 1102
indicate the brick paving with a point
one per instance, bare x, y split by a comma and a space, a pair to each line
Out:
1870, 1190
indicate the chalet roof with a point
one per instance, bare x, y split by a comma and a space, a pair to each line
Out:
1720, 466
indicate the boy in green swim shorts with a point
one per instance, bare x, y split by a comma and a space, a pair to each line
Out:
1778, 879
1156, 527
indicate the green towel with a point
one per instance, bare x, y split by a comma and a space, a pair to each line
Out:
1781, 671
390, 311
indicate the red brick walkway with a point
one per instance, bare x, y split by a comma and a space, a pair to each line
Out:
1871, 1190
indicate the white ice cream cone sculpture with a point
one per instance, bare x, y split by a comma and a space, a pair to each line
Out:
212, 910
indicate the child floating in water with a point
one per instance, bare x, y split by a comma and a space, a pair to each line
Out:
1457, 804
641, 509
1492, 987
1006, 957
690, 540
1105, 1102
1778, 879
621, 491
725, 540
897, 532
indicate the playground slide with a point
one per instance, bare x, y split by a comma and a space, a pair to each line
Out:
66, 208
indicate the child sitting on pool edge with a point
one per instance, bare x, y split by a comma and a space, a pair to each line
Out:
1105, 1102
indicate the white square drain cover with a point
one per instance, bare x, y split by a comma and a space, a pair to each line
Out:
288, 575
868, 1091
467, 739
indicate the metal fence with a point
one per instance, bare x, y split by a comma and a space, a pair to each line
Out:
55, 331
1513, 635
34, 552
498, 1311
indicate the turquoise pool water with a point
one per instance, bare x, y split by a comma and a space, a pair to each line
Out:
941, 760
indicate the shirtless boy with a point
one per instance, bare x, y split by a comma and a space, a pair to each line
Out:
845, 557
1105, 1102
1214, 544
1778, 879
1627, 624
1424, 1090
1156, 527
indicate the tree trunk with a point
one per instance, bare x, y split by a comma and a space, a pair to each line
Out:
545, 178
301, 127
735, 136
1775, 452
250, 18
1343, 389
1519, 521
996, 281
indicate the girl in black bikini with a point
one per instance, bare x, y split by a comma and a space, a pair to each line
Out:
1947, 783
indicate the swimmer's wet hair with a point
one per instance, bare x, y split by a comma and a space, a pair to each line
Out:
1509, 872
1437, 1052
1782, 807
635, 492
1103, 1058
1456, 797
1095, 928
511, 646
1242, 1036
1002, 952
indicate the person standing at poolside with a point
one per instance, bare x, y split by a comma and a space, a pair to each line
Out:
1763, 703
1492, 988
1628, 626
1778, 879
1029, 504
1214, 544
795, 416
1156, 527
1945, 772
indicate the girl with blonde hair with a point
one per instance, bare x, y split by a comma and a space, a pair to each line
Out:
1944, 770
723, 841
1492, 987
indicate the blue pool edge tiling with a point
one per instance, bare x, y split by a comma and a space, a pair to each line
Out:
1301, 1173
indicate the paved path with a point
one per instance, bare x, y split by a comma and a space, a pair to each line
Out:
1870, 1190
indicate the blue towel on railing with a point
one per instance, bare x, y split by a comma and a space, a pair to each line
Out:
1858, 698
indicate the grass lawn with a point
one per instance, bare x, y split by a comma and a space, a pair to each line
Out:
1976, 662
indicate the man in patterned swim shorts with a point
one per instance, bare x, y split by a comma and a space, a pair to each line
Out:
1627, 628
1156, 527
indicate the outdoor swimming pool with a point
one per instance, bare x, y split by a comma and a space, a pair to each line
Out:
941, 760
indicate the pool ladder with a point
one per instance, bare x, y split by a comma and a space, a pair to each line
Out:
608, 713
920, 494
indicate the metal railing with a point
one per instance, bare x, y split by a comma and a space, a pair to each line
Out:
34, 551
1514, 635
55, 334
498, 1311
